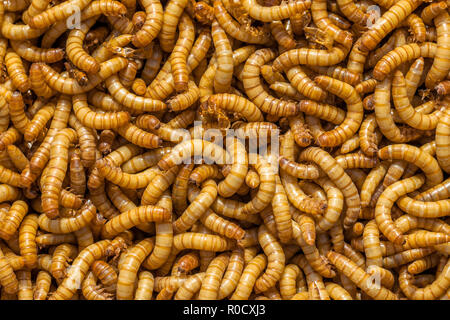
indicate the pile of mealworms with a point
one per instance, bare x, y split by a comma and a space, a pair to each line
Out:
224, 149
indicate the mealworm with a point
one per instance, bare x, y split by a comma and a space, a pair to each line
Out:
276, 260
37, 82
197, 208
304, 85
386, 23
96, 120
357, 58
371, 182
74, 48
130, 100
281, 12
224, 70
35, 54
337, 292
180, 53
386, 277
11, 222
423, 264
294, 193
43, 283
9, 137
84, 236
8, 278
320, 18
70, 224
79, 269
406, 111
164, 237
401, 54
316, 287
18, 31
238, 171
234, 103
51, 180
237, 30
180, 188
423, 209
433, 10
266, 187
25, 291
339, 177
152, 25
145, 160
163, 84
192, 148
256, 92
281, 35
144, 288
352, 12
384, 119
371, 242
360, 278
34, 127
315, 57
170, 21
132, 218
354, 114
442, 133
138, 19
288, 281
438, 192
199, 241
312, 254
158, 185
71, 86
190, 287
414, 155
122, 179
385, 202
50, 239
16, 71
90, 289
62, 255
213, 276
4, 113
405, 257
430, 292
248, 278
77, 174
187, 263
104, 272
440, 67
356, 160
152, 65
128, 270
139, 87
281, 213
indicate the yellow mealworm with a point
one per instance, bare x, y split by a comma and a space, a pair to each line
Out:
442, 133
360, 278
414, 155
213, 276
256, 92
340, 178
164, 237
248, 278
280, 12
79, 269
